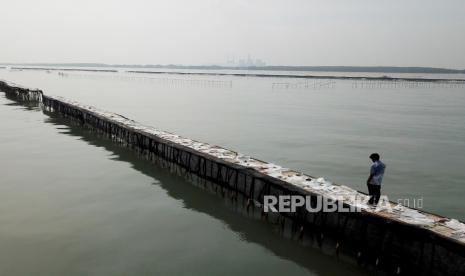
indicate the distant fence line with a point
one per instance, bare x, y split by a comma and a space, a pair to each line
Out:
164, 81
393, 84
14, 68
305, 85
373, 84
314, 82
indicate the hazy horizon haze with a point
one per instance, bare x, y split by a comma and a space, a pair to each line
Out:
297, 32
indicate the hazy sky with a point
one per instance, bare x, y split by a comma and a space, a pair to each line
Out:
287, 32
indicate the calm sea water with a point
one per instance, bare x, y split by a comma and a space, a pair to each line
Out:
73, 204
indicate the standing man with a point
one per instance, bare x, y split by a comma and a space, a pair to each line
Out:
375, 178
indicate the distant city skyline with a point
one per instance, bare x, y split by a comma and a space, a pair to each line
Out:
244, 62
426, 33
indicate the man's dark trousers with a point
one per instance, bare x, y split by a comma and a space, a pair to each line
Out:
375, 193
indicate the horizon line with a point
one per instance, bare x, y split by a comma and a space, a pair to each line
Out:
334, 68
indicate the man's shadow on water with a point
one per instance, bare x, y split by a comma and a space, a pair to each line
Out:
250, 229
